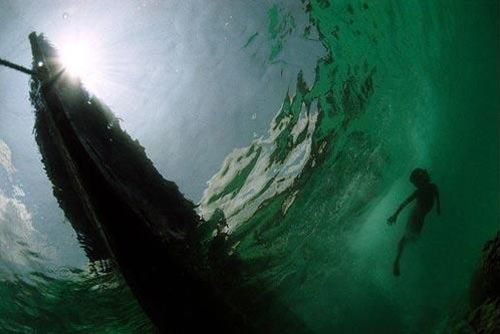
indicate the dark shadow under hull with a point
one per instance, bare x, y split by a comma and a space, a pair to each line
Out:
121, 206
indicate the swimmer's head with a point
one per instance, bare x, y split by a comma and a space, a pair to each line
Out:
419, 177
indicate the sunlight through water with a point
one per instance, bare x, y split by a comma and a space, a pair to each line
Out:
82, 57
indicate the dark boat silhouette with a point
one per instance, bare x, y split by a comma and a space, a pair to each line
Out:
123, 209
119, 203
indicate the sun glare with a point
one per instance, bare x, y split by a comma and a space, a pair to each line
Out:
80, 58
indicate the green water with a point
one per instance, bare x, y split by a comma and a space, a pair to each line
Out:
401, 84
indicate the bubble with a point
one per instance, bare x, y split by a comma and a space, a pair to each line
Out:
65, 16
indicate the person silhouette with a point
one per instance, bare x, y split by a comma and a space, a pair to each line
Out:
426, 193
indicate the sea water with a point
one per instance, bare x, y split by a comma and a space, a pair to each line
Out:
359, 93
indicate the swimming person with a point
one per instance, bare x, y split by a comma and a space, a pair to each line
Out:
425, 194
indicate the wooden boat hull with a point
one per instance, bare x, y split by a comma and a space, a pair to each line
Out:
103, 179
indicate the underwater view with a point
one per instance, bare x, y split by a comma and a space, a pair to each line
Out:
264, 166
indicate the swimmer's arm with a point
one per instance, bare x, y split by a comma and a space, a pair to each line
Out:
438, 202
407, 201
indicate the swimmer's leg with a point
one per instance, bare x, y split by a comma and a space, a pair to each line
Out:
413, 228
401, 246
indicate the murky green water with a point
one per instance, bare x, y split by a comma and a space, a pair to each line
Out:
398, 85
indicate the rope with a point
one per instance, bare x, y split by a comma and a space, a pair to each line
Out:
16, 67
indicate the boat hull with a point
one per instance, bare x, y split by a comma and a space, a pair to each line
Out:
136, 216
